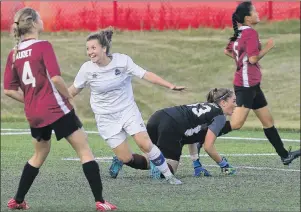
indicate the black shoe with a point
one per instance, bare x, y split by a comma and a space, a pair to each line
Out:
292, 155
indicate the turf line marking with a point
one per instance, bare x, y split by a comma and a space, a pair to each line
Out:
109, 159
188, 156
27, 132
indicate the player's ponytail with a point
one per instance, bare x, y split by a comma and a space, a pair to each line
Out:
218, 94
23, 23
17, 37
235, 27
108, 34
242, 10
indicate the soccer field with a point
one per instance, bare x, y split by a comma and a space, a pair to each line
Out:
192, 58
261, 184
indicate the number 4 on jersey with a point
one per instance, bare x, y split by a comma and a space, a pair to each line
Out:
27, 76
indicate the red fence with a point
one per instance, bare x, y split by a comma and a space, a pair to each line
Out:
146, 15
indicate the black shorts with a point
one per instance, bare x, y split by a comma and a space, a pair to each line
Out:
163, 134
252, 97
63, 127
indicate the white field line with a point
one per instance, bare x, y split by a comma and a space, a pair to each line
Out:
27, 132
187, 156
109, 159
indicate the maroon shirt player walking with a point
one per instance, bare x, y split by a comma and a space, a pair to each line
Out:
32, 67
245, 48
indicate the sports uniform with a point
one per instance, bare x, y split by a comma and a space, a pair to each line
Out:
171, 128
112, 99
247, 77
45, 108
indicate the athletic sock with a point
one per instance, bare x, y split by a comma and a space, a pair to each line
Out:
275, 140
28, 175
157, 158
91, 170
138, 162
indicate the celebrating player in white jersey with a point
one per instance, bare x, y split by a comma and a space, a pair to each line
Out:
112, 101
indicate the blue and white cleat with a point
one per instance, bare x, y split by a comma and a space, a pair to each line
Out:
115, 167
154, 172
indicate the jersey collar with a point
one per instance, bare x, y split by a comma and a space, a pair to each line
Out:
244, 27
28, 39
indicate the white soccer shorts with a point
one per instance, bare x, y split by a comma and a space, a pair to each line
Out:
114, 128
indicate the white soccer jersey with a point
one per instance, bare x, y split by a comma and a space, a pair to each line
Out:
111, 87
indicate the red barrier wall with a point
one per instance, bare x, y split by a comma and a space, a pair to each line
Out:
134, 15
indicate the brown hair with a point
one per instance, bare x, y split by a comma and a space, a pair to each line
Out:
218, 94
23, 23
104, 38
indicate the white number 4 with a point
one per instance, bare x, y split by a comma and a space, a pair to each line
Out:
27, 76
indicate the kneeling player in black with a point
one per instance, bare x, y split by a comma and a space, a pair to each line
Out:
171, 128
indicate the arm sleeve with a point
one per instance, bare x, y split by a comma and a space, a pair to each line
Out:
217, 124
252, 43
11, 79
134, 69
50, 60
80, 80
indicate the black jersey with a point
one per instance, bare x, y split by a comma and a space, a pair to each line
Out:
193, 120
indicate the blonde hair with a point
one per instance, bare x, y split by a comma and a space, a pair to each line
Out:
23, 23
104, 38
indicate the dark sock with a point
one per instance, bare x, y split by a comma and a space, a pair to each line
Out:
138, 162
91, 170
170, 168
28, 175
226, 129
275, 140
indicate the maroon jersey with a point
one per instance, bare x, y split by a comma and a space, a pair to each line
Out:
246, 46
34, 66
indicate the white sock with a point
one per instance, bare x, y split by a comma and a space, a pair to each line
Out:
157, 158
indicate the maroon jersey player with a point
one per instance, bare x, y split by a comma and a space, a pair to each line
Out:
245, 48
34, 66
32, 76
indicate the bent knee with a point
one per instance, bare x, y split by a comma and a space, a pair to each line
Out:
237, 125
146, 146
125, 158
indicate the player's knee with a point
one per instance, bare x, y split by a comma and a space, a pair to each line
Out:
237, 125
268, 123
125, 158
146, 146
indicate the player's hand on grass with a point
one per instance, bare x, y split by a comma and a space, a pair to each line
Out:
226, 168
230, 170
199, 170
177, 88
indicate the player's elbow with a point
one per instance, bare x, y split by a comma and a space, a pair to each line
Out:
253, 60
55, 79
226, 52
7, 92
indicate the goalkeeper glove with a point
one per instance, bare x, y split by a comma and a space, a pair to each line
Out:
226, 168
199, 170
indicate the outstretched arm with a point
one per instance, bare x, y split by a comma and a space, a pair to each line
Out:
155, 79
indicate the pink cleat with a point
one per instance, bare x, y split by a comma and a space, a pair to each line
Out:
106, 206
13, 205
